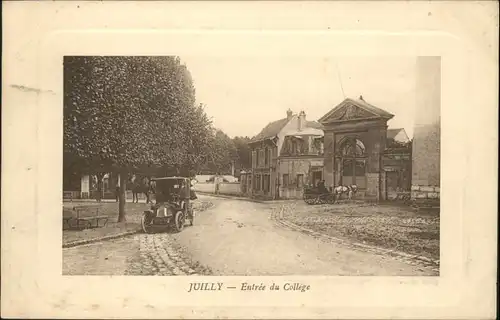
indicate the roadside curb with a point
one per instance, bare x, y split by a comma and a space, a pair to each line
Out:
434, 264
108, 237
93, 240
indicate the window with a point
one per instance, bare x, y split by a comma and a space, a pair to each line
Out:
261, 160
300, 181
353, 148
286, 180
257, 158
266, 156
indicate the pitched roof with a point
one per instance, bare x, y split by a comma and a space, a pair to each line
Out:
392, 133
314, 125
372, 108
271, 130
307, 132
274, 128
360, 104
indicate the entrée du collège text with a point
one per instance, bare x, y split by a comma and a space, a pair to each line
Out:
245, 286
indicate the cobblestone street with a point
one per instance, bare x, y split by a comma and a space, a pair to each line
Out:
140, 254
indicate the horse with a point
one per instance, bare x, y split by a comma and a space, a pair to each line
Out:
143, 186
350, 190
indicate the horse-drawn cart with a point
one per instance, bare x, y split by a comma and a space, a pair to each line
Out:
315, 195
173, 205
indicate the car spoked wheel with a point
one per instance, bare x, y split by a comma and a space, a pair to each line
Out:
179, 221
146, 223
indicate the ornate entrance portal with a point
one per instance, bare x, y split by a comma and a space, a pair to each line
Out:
355, 138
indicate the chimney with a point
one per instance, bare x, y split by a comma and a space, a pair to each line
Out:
289, 114
361, 98
302, 120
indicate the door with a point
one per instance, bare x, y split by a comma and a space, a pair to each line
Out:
353, 163
317, 177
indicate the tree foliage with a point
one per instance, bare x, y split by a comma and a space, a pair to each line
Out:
243, 151
221, 154
123, 113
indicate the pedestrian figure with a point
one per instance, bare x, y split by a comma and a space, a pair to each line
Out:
217, 183
136, 189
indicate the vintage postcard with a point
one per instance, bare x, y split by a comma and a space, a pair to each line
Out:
253, 159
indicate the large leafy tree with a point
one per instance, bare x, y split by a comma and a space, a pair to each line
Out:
222, 153
243, 151
124, 113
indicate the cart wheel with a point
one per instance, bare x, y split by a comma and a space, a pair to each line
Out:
179, 221
192, 217
146, 223
331, 199
308, 199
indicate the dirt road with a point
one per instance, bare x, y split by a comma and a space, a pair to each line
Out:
232, 238
239, 238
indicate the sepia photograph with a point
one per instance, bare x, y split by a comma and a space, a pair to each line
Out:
269, 159
189, 166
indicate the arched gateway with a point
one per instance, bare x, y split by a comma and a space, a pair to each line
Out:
355, 138
352, 162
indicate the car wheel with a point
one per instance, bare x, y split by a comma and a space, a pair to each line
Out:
146, 223
179, 221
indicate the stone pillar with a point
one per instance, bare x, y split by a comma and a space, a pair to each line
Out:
328, 164
383, 185
426, 155
374, 175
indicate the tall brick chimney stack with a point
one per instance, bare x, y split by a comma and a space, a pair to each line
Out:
289, 114
302, 120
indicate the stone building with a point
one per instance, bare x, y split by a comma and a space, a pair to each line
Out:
426, 156
355, 137
398, 135
264, 180
300, 162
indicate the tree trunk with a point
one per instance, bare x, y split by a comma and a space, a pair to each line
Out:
122, 197
100, 176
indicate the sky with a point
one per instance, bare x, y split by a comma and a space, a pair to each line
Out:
243, 94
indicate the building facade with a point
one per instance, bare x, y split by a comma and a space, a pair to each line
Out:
355, 142
426, 157
264, 180
300, 162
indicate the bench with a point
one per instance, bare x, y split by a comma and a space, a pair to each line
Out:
86, 222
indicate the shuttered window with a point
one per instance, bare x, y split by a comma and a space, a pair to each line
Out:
286, 180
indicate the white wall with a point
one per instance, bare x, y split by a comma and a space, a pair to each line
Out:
204, 187
224, 188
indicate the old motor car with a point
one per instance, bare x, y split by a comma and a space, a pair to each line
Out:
172, 206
